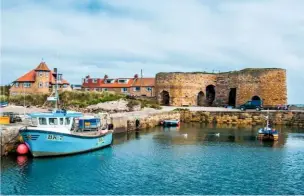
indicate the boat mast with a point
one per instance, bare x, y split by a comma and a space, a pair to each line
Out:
56, 87
267, 125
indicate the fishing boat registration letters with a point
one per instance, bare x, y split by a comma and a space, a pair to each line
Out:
55, 137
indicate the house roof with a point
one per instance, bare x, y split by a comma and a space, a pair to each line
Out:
42, 67
31, 75
132, 82
144, 82
28, 77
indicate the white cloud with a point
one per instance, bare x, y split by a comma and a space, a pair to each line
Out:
120, 37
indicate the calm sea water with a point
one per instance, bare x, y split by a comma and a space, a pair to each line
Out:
190, 160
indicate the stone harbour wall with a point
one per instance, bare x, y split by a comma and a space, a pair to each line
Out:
151, 120
244, 118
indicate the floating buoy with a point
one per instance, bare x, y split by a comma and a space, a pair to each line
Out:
21, 160
22, 149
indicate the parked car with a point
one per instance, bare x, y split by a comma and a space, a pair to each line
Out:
282, 107
253, 104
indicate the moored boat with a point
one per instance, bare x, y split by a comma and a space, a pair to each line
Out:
268, 133
62, 133
170, 123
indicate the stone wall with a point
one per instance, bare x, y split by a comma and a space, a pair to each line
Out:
244, 118
268, 84
183, 88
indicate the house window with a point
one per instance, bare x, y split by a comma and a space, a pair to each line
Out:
17, 84
94, 80
46, 84
124, 90
40, 85
46, 74
40, 73
42, 121
53, 121
26, 85
87, 89
65, 86
105, 89
149, 88
137, 88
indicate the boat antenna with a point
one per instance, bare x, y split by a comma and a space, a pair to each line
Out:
267, 125
56, 88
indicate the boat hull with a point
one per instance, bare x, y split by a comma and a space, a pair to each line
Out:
47, 143
269, 137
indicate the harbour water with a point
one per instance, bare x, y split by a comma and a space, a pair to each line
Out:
193, 159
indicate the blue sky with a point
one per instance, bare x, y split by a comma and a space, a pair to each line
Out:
120, 37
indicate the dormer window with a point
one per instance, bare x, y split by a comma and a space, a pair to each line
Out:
109, 81
94, 80
122, 81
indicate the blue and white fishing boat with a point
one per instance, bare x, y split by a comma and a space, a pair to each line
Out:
62, 132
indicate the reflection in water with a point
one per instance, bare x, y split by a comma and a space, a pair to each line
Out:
194, 133
221, 159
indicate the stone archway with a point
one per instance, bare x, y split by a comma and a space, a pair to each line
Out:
210, 94
165, 98
200, 99
256, 98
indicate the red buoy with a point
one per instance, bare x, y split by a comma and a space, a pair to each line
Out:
21, 160
22, 149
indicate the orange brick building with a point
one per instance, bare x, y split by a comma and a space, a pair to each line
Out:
40, 80
132, 86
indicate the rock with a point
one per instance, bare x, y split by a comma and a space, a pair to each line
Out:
112, 107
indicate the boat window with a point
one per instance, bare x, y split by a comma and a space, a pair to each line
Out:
42, 121
67, 121
61, 121
53, 121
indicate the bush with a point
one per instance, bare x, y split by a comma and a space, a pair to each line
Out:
3, 98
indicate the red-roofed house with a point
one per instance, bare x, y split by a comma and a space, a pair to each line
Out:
132, 86
39, 80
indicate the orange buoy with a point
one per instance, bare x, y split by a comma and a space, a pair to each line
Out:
22, 149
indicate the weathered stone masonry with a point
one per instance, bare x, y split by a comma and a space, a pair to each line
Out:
230, 88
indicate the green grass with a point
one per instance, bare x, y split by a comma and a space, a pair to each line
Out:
79, 99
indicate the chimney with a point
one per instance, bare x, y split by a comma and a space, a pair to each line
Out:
88, 76
135, 76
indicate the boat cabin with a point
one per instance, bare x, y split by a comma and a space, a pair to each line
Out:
55, 119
